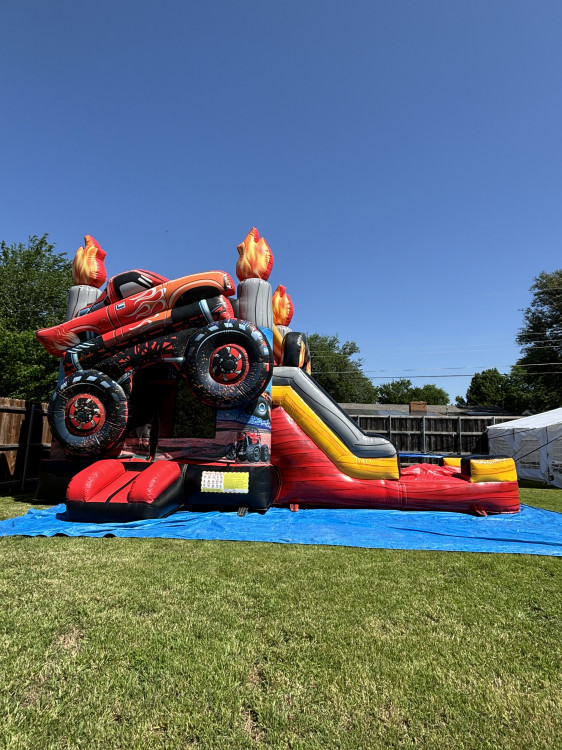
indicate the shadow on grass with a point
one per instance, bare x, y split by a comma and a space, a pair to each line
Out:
17, 504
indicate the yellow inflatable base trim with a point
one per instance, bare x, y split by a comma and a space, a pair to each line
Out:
330, 444
493, 470
451, 461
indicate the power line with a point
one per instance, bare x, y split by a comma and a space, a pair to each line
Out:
359, 373
322, 353
457, 367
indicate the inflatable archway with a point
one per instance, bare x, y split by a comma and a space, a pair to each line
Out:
195, 392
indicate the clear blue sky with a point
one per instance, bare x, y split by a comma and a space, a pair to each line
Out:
403, 159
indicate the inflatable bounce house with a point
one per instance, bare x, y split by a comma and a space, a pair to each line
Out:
195, 393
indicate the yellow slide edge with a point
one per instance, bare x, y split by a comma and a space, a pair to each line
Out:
321, 435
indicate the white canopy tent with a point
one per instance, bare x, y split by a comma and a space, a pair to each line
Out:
534, 442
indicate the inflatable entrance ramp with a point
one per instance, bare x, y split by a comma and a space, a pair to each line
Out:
112, 490
116, 490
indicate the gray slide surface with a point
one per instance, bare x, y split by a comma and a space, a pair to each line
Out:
333, 416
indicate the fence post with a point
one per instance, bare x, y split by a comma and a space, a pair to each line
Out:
390, 427
423, 434
27, 444
459, 434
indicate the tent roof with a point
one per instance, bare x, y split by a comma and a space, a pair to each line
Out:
544, 419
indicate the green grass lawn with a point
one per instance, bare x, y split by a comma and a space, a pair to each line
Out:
159, 643
549, 498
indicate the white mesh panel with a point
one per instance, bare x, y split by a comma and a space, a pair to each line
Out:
529, 453
501, 446
555, 456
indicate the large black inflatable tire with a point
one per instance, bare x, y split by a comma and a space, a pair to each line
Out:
295, 350
88, 413
228, 363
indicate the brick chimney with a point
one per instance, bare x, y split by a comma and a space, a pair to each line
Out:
418, 408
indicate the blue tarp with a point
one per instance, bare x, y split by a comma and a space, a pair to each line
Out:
533, 531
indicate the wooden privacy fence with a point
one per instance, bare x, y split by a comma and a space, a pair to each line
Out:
425, 434
25, 438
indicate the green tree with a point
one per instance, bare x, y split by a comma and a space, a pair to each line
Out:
26, 370
431, 394
487, 388
337, 372
402, 392
34, 281
519, 395
540, 339
512, 391
396, 392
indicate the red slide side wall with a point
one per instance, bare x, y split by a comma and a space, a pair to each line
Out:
309, 478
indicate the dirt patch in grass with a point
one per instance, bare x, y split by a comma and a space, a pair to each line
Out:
251, 726
69, 642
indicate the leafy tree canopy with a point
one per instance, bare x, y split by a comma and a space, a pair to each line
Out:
396, 392
34, 281
511, 391
519, 391
402, 392
431, 394
540, 339
487, 388
26, 370
535, 381
337, 372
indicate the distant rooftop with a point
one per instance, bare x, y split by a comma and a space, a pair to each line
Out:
433, 410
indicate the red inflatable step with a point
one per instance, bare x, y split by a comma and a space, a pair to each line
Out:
125, 490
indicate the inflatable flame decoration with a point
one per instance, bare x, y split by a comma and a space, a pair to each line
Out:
282, 307
256, 258
88, 266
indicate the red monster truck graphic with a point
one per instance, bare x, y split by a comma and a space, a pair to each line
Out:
248, 447
187, 322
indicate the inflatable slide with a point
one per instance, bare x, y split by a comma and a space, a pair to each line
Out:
325, 460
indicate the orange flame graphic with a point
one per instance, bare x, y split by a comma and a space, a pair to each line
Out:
88, 266
282, 307
256, 258
149, 303
56, 344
